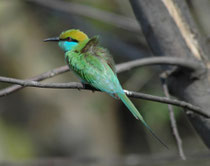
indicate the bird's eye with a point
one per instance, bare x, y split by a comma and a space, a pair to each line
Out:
69, 39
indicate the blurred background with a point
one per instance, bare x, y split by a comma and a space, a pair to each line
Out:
52, 123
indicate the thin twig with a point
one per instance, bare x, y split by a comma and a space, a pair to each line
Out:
172, 119
117, 20
165, 100
43, 76
190, 64
193, 65
77, 85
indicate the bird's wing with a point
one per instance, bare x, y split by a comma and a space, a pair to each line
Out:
99, 74
107, 57
100, 52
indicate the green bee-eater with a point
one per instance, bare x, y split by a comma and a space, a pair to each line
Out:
95, 66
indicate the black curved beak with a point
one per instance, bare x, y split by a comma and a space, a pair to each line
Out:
52, 39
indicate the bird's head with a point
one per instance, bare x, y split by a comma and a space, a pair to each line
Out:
69, 39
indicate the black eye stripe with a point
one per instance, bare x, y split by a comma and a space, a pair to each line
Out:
74, 40
69, 39
62, 39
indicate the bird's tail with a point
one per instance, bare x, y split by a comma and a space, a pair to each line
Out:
137, 115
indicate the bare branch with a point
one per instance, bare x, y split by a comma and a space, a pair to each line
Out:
76, 85
120, 68
190, 64
40, 77
174, 127
119, 21
165, 100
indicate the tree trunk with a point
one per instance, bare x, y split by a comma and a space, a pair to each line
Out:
170, 30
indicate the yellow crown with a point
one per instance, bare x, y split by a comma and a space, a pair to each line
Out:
74, 34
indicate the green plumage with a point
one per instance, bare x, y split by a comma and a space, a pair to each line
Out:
94, 65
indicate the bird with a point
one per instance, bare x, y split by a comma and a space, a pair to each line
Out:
94, 65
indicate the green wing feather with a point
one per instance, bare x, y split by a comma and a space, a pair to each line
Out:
95, 66
100, 52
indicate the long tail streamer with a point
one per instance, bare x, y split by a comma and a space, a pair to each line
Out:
137, 115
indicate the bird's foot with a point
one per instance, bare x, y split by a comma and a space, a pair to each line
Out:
87, 86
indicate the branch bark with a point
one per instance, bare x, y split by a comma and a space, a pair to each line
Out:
170, 30
174, 127
80, 86
191, 65
43, 76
